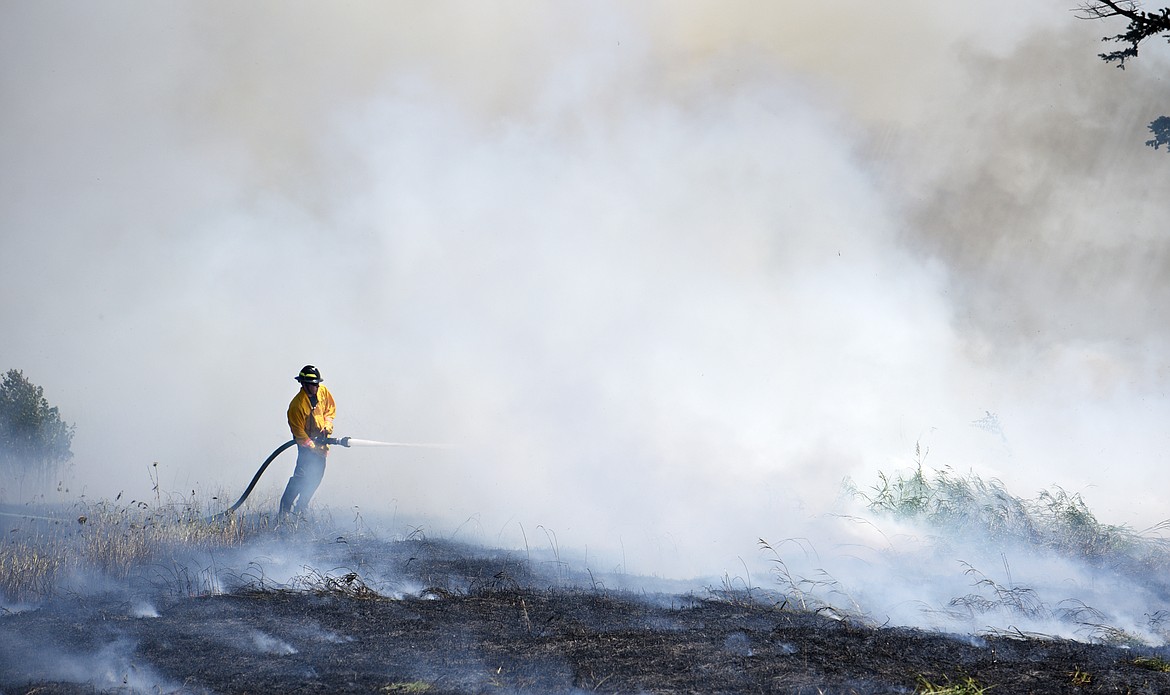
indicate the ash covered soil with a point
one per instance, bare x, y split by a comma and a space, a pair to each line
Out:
485, 622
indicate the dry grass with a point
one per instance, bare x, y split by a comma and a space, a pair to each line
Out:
28, 570
971, 510
1153, 663
411, 687
967, 686
41, 553
1055, 519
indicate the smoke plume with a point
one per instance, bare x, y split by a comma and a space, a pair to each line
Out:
665, 274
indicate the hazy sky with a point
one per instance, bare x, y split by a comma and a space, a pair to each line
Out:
665, 272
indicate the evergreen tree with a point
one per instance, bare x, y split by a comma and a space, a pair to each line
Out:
34, 440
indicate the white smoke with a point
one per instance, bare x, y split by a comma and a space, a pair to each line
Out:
665, 274
111, 666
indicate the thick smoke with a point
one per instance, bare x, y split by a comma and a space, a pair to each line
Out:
665, 275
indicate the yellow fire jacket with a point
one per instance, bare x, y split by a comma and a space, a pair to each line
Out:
307, 422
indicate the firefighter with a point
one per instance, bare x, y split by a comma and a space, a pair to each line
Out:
310, 417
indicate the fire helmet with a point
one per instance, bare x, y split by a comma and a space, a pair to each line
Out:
309, 375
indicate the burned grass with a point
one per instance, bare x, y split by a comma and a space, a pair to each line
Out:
486, 622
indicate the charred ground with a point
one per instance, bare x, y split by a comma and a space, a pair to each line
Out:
492, 622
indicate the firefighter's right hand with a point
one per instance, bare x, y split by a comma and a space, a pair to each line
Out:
308, 444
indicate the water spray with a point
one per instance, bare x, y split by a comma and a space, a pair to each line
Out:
331, 441
351, 441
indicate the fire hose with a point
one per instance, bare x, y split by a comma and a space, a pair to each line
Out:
332, 441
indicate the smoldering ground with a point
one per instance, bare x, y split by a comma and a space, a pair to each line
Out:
426, 615
665, 275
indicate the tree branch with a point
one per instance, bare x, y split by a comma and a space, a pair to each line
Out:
1142, 25
1103, 9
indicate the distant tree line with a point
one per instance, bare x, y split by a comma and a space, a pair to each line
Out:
1143, 25
34, 440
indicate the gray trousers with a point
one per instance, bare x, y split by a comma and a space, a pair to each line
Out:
304, 481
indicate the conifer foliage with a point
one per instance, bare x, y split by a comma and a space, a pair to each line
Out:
1143, 25
34, 440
